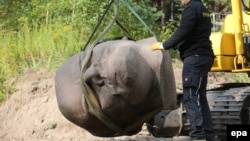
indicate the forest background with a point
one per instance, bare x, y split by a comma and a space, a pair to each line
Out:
45, 33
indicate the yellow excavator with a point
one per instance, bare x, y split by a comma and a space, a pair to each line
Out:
230, 104
231, 44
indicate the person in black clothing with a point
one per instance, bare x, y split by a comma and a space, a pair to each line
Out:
192, 41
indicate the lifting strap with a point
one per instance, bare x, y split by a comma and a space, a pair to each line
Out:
115, 20
138, 17
90, 96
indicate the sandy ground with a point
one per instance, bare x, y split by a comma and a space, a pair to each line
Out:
31, 113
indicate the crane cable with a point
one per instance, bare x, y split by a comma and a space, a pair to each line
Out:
90, 96
138, 17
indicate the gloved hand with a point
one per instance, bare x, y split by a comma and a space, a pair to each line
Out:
157, 46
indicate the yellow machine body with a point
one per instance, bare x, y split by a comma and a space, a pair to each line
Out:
228, 45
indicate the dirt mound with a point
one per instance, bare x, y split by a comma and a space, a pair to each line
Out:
31, 113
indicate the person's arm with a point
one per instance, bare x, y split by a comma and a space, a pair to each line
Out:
188, 22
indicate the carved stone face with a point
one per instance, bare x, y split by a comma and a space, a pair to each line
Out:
120, 76
128, 78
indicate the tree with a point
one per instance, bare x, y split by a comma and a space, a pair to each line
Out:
218, 5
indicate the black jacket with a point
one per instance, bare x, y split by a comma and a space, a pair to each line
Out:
192, 37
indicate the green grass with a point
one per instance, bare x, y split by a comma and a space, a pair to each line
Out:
44, 47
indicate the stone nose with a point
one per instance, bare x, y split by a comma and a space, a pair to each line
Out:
92, 75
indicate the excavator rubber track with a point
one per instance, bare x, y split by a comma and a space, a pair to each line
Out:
226, 108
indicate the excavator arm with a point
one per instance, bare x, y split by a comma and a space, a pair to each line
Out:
231, 44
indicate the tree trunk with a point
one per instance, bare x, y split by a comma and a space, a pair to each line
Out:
165, 7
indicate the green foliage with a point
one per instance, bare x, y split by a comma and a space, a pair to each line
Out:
44, 47
45, 33
51, 126
149, 14
218, 6
178, 8
171, 25
2, 93
80, 13
137, 30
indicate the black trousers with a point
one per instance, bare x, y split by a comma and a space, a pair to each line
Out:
194, 80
